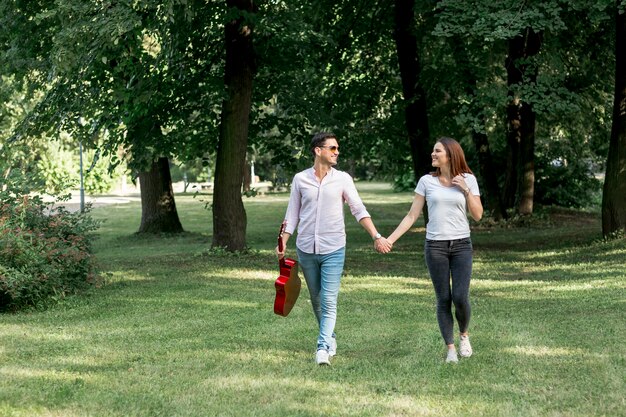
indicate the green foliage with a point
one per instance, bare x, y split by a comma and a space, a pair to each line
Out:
58, 169
405, 181
119, 71
197, 170
567, 183
146, 78
18, 159
45, 252
98, 177
59, 165
337, 60
17, 169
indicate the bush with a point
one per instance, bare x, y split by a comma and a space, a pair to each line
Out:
45, 253
570, 185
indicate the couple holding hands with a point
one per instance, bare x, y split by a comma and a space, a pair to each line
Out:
316, 209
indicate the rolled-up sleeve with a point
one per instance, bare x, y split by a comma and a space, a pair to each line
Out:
292, 216
351, 196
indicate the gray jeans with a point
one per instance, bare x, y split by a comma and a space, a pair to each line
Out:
450, 260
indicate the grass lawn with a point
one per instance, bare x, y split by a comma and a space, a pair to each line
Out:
178, 330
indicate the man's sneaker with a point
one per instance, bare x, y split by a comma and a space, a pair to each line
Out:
321, 357
452, 357
465, 349
332, 351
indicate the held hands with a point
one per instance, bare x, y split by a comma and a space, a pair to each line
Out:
382, 245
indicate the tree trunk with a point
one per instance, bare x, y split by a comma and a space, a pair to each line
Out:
416, 114
229, 215
247, 178
416, 111
158, 208
527, 160
614, 192
520, 175
488, 173
512, 155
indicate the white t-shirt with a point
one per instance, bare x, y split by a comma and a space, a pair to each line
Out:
447, 207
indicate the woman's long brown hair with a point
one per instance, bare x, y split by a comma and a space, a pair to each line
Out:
455, 153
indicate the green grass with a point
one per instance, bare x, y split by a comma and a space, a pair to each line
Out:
178, 330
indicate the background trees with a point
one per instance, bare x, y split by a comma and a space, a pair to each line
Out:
614, 196
526, 86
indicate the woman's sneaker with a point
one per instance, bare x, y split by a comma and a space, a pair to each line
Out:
465, 348
452, 357
322, 357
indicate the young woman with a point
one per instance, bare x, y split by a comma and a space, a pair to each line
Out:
450, 192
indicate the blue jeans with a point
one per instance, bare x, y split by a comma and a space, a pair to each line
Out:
323, 276
450, 259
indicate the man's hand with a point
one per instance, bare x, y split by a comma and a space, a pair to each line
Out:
280, 254
382, 245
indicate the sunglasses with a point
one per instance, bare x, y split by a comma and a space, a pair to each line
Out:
331, 148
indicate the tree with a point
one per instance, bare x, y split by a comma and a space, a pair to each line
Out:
229, 214
469, 66
119, 71
521, 120
416, 110
551, 82
158, 208
614, 194
25, 43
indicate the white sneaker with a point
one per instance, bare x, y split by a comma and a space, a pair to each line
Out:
452, 357
322, 357
332, 351
465, 349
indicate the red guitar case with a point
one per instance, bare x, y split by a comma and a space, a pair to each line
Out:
288, 283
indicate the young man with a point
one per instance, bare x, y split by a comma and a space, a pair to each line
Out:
316, 209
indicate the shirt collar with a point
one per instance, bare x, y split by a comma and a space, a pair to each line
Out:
312, 172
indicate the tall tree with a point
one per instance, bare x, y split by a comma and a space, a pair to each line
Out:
416, 109
229, 214
614, 193
548, 86
521, 120
158, 205
103, 74
120, 69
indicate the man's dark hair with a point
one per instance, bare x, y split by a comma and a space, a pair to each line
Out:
319, 139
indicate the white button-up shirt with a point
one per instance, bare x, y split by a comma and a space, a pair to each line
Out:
316, 209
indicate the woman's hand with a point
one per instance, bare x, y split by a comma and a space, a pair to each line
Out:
382, 245
459, 181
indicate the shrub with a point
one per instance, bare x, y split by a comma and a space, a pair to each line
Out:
45, 253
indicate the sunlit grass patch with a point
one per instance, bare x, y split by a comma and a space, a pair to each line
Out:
545, 351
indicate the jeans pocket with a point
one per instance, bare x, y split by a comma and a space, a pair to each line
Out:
465, 243
435, 245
